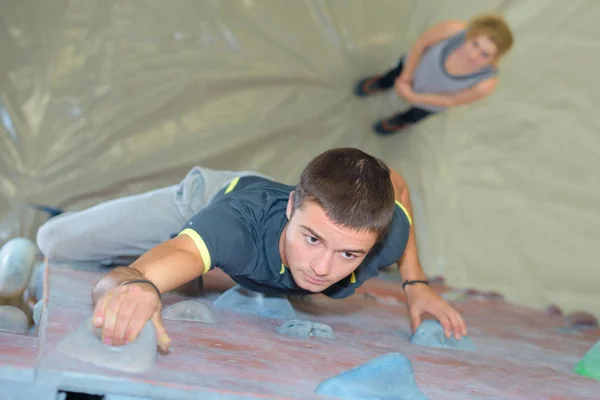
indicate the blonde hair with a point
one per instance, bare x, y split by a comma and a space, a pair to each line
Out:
496, 28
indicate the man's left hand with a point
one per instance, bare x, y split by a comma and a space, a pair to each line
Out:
422, 299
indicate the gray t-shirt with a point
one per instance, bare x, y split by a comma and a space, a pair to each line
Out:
239, 233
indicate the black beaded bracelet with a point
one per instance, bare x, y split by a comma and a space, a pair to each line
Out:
413, 282
143, 281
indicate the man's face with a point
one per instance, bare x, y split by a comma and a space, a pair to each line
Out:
318, 252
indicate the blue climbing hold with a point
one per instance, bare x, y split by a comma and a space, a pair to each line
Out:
191, 311
305, 329
387, 377
37, 312
431, 333
85, 345
249, 302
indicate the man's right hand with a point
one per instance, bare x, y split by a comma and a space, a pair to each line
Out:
122, 312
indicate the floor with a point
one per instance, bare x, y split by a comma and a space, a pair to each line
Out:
521, 354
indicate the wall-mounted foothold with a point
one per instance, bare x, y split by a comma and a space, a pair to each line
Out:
85, 345
13, 319
37, 312
18, 257
35, 287
191, 311
581, 320
305, 329
387, 377
431, 334
248, 302
589, 365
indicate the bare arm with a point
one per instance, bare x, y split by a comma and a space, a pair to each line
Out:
431, 36
476, 93
409, 265
168, 265
420, 298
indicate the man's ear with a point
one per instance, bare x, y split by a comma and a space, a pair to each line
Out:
290, 205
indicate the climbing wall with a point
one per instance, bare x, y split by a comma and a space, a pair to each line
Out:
510, 353
101, 99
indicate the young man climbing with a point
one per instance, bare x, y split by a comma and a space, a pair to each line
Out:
452, 63
348, 217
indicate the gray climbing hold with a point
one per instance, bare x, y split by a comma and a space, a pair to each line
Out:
17, 260
249, 302
455, 295
190, 310
305, 329
85, 345
387, 377
431, 333
36, 283
321, 330
13, 319
37, 312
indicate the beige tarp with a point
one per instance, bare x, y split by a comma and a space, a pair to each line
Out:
107, 98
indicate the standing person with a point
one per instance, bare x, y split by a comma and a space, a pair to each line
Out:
453, 63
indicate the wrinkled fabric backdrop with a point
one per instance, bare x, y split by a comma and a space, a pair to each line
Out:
101, 99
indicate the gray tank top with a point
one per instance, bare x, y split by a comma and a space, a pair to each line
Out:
430, 76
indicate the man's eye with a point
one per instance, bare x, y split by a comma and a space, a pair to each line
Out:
312, 240
348, 256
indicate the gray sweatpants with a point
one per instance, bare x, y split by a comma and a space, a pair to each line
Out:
130, 226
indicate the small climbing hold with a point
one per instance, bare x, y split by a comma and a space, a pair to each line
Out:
37, 312
479, 295
13, 319
305, 329
387, 377
85, 345
249, 302
455, 295
581, 320
17, 260
567, 331
589, 365
553, 310
491, 296
431, 333
190, 310
383, 299
36, 283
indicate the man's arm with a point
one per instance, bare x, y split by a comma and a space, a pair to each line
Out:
430, 37
476, 93
168, 265
421, 298
409, 265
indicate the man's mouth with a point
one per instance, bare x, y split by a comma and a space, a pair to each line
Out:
313, 280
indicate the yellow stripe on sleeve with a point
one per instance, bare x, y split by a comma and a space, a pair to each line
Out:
200, 245
352, 278
232, 185
405, 212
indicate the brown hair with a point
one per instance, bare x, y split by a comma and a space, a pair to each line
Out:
496, 28
353, 188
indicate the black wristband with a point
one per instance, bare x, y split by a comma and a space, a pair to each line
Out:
413, 282
143, 281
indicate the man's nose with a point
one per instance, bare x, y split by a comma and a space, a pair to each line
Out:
321, 265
